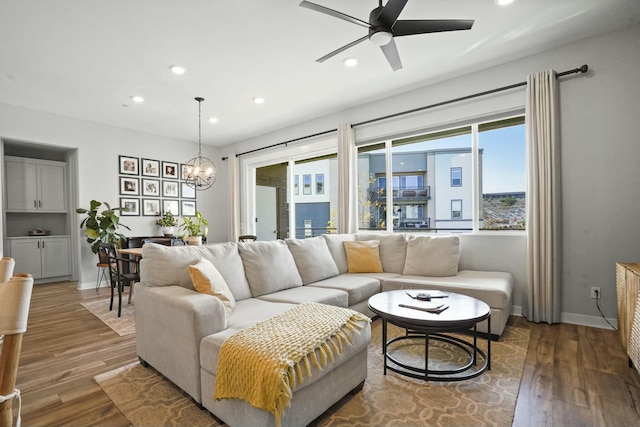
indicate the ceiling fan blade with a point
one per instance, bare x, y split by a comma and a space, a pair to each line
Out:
334, 13
343, 48
423, 26
391, 52
391, 11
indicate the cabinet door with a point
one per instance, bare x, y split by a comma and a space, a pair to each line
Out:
51, 189
26, 253
21, 186
55, 257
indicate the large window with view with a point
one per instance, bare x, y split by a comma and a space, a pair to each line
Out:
459, 180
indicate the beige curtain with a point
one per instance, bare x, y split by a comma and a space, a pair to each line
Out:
543, 287
347, 208
234, 197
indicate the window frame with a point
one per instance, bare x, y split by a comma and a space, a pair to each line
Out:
455, 169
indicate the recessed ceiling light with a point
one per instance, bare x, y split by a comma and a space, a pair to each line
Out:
258, 100
350, 62
213, 120
504, 2
137, 98
178, 69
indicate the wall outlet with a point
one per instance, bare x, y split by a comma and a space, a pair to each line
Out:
595, 292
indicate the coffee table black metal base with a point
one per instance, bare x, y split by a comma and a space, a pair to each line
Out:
471, 349
463, 313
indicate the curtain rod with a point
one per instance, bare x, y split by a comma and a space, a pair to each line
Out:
582, 69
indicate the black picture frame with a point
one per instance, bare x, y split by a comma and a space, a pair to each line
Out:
170, 188
132, 206
187, 192
171, 205
170, 170
128, 165
129, 186
188, 207
151, 187
151, 207
150, 167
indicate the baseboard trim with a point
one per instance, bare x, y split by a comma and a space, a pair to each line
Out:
576, 319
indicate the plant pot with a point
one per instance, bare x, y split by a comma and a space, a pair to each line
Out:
194, 240
168, 231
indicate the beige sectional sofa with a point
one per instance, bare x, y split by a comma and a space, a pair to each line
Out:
180, 331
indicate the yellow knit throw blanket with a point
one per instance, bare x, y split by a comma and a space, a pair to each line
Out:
261, 364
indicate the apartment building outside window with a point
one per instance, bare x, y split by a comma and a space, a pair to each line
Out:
456, 177
456, 209
319, 183
306, 184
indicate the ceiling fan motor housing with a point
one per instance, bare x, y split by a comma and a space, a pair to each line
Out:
379, 34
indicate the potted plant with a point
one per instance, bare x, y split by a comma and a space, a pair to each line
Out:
194, 228
101, 227
168, 223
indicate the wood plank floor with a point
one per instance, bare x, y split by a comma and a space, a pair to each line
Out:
573, 376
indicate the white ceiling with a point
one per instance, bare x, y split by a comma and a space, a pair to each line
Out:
85, 58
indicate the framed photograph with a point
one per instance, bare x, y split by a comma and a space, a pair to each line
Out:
172, 206
170, 188
150, 167
131, 207
170, 170
151, 187
183, 173
187, 192
188, 207
151, 207
129, 186
128, 165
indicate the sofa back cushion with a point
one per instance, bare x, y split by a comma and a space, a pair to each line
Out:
336, 247
313, 259
269, 267
363, 257
393, 249
432, 256
169, 265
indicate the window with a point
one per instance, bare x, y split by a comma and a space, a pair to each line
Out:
306, 184
296, 185
456, 209
456, 177
480, 166
319, 183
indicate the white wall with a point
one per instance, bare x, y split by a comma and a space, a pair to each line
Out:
97, 160
600, 152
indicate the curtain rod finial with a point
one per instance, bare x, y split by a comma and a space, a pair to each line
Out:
584, 68
224, 158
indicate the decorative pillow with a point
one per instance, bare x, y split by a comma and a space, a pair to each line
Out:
208, 280
363, 257
336, 247
313, 259
393, 250
432, 256
269, 267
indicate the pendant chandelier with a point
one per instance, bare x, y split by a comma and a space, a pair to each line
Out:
200, 172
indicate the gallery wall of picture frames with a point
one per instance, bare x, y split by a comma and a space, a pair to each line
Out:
151, 187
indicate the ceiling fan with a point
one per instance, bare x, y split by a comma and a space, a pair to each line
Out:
383, 26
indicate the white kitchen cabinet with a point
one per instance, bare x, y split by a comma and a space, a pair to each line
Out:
34, 185
42, 257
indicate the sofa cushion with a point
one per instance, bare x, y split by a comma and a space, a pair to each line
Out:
208, 280
432, 256
299, 295
269, 267
359, 287
336, 247
168, 265
313, 259
393, 248
363, 257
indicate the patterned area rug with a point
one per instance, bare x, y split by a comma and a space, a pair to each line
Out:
146, 398
123, 325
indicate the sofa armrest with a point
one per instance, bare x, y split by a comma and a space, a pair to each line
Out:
170, 323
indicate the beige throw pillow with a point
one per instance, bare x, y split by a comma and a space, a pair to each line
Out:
208, 280
432, 256
363, 257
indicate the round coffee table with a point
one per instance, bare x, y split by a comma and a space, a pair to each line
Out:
461, 313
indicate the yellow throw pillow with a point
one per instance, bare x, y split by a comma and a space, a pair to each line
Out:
363, 256
207, 279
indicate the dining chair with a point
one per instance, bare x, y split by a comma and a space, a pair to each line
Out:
118, 275
247, 238
103, 267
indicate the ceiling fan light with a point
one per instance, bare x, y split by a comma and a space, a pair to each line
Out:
380, 38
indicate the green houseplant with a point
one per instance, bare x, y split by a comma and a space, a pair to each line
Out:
101, 227
168, 223
193, 228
